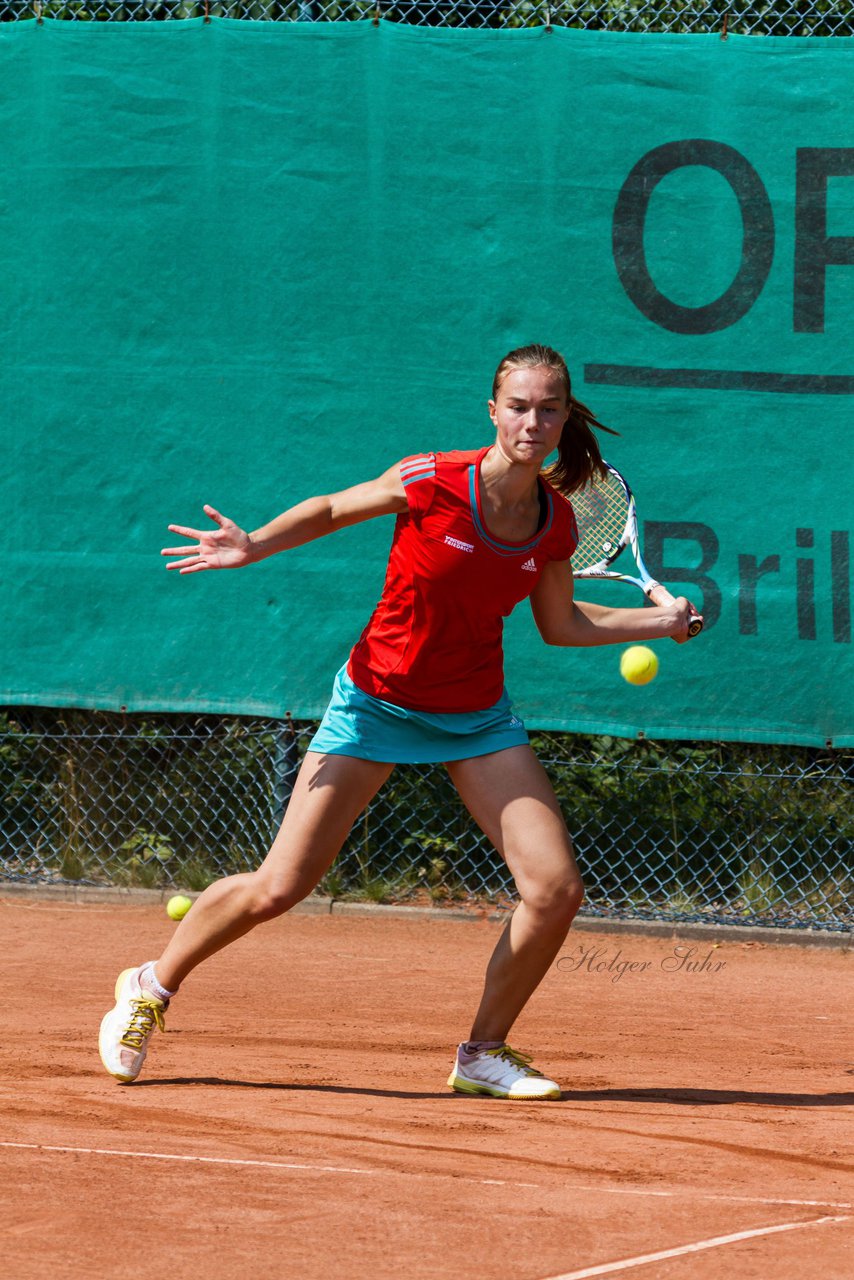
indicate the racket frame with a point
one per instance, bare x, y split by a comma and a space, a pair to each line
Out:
601, 569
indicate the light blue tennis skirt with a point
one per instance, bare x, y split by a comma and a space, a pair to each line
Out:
356, 724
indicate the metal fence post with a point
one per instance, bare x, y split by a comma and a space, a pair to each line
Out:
285, 766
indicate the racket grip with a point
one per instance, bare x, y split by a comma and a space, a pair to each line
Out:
661, 596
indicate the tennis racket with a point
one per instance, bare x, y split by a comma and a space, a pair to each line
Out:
607, 524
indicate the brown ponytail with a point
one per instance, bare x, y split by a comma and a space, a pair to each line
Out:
579, 457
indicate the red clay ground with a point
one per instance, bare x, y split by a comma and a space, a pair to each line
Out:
302, 1084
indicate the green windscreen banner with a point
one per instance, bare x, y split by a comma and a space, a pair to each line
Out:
245, 263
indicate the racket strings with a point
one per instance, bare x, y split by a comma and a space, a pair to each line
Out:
602, 513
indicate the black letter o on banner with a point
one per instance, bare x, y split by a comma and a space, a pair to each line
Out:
757, 249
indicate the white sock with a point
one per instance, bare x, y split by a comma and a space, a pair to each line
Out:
148, 976
471, 1048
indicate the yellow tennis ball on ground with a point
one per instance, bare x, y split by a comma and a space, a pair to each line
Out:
638, 665
177, 907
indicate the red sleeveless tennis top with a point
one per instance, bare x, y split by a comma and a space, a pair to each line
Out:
434, 641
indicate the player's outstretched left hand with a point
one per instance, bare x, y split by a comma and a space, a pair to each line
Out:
226, 547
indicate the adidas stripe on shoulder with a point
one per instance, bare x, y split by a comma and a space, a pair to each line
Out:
420, 467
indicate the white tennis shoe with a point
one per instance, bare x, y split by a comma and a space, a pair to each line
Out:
502, 1073
126, 1029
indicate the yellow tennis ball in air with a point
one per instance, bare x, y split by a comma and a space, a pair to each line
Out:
638, 665
177, 907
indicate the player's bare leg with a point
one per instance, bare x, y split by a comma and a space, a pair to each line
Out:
329, 794
512, 800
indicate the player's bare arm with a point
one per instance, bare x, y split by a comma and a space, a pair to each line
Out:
563, 620
230, 547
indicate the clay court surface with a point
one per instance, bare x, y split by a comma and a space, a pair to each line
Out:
294, 1119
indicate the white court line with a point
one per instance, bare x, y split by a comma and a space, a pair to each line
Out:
708, 1195
160, 1155
486, 1182
608, 1267
261, 1164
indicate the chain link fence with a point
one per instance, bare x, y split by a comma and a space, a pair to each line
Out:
720, 833
740, 17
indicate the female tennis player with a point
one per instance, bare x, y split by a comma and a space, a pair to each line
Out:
476, 532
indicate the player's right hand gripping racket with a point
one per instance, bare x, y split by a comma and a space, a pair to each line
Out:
607, 524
